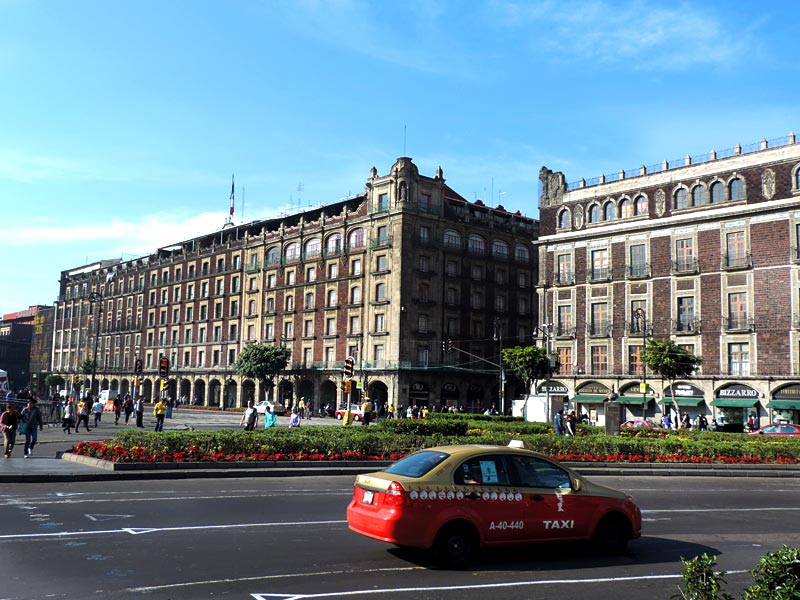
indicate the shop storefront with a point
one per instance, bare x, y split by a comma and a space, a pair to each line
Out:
419, 394
689, 398
637, 398
784, 407
556, 393
733, 405
448, 396
588, 402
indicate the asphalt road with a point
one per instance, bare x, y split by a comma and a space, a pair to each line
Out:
287, 538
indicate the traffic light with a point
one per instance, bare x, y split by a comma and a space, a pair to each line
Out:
163, 367
138, 367
349, 363
447, 345
346, 386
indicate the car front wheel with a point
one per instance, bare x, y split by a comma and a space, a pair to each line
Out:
339, 416
612, 534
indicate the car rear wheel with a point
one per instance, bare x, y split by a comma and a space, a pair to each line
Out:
356, 418
339, 416
455, 545
612, 534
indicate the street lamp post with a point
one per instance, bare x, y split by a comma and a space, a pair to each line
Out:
95, 297
547, 330
498, 337
641, 316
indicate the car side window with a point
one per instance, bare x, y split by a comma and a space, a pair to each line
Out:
482, 470
535, 472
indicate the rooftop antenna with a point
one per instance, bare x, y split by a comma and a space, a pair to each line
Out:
300, 188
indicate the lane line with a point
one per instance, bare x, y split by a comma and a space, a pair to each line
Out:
478, 586
140, 530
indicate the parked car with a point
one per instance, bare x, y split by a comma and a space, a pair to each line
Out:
456, 499
277, 409
778, 429
638, 423
355, 409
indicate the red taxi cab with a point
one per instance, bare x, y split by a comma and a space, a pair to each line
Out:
456, 499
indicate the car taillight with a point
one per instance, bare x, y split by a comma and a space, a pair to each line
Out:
396, 495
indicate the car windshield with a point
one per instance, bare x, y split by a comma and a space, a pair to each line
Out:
417, 464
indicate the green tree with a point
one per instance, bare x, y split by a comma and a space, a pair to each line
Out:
262, 362
671, 362
53, 380
530, 363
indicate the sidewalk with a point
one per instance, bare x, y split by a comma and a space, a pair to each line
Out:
47, 464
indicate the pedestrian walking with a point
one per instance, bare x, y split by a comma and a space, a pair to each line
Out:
83, 415
127, 406
139, 408
249, 417
159, 411
309, 410
269, 418
572, 423
97, 409
117, 409
170, 404
294, 421
31, 416
68, 419
9, 422
558, 422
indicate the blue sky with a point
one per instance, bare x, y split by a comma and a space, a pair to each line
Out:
122, 122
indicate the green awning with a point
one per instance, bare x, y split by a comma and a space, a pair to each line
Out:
784, 404
684, 401
633, 400
734, 402
590, 398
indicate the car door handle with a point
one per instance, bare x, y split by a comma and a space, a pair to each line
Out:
472, 496
537, 498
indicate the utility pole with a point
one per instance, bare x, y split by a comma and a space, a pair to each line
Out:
547, 333
641, 316
98, 298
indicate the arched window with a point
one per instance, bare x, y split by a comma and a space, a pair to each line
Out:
609, 211
736, 189
625, 209
292, 251
499, 249
355, 295
452, 239
797, 179
521, 253
380, 292
313, 248
270, 305
334, 244
289, 303
309, 301
251, 307
594, 213
640, 206
699, 197
681, 198
564, 221
331, 297
356, 239
717, 192
273, 255
476, 244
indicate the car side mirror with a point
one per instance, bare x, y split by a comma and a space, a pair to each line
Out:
577, 485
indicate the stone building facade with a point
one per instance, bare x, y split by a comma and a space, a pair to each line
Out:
385, 277
703, 251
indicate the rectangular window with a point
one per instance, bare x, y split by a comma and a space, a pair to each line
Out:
477, 272
684, 255
422, 323
333, 271
739, 359
311, 274
355, 324
288, 330
452, 268
599, 360
383, 201
638, 324
269, 331
380, 264
290, 278
355, 266
330, 326
737, 310
565, 366
424, 264
424, 234
685, 313
377, 352
307, 360
564, 325
638, 260
635, 361
600, 267
308, 328
379, 323
599, 319
737, 249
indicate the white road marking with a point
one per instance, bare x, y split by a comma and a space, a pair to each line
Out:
139, 530
96, 517
718, 508
480, 586
211, 497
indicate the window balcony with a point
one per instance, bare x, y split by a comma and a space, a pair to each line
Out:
564, 330
688, 266
685, 326
599, 275
636, 327
597, 330
637, 271
741, 322
381, 242
564, 278
736, 260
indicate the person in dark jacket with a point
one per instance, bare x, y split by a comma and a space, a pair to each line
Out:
32, 417
9, 423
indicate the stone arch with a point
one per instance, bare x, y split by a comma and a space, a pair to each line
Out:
199, 393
